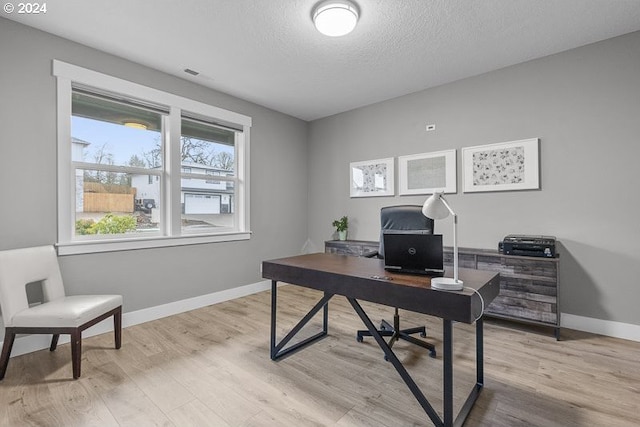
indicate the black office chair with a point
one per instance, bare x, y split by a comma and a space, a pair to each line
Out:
406, 217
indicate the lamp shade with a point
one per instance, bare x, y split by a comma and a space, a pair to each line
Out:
435, 208
335, 17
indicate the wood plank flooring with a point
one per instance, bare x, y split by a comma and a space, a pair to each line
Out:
211, 367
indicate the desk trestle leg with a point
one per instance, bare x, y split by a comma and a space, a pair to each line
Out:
277, 349
391, 357
447, 327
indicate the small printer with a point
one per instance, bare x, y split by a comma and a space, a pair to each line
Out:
537, 246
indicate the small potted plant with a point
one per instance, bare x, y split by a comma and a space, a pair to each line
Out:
341, 226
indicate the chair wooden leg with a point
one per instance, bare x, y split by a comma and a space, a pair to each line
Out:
9, 337
117, 327
54, 342
76, 352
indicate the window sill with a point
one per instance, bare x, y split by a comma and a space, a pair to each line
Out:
89, 247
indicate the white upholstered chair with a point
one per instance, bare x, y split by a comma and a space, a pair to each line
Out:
58, 314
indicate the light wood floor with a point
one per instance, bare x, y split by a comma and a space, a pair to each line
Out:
211, 367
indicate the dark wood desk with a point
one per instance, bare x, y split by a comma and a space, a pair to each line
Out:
365, 279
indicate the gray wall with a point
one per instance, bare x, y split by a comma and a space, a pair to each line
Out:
583, 104
145, 277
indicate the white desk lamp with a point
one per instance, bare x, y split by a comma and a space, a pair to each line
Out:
436, 207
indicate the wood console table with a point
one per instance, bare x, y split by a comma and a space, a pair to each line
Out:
529, 286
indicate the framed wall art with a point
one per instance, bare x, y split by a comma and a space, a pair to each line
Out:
372, 178
427, 173
504, 166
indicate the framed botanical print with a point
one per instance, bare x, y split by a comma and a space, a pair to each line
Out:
372, 178
504, 166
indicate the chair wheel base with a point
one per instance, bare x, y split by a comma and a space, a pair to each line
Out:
387, 330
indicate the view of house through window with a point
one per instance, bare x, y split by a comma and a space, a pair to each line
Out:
140, 168
206, 150
118, 155
113, 146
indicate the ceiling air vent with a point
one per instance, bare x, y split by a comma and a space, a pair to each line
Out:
190, 71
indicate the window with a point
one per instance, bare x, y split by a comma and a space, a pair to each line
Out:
117, 177
209, 150
116, 152
211, 172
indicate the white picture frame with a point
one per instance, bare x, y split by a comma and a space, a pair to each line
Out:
372, 178
428, 173
505, 166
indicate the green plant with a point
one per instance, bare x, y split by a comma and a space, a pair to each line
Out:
83, 226
108, 224
341, 224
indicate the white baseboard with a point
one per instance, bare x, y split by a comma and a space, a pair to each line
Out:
609, 328
29, 343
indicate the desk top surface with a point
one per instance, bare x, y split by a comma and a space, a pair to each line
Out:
366, 279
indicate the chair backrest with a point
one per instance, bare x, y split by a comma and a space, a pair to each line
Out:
404, 217
19, 267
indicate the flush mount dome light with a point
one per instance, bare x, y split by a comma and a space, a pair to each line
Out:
335, 17
135, 125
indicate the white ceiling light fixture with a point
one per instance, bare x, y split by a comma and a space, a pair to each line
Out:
335, 18
135, 125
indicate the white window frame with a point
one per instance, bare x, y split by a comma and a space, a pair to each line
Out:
68, 75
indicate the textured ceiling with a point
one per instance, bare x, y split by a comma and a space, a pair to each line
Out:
268, 51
